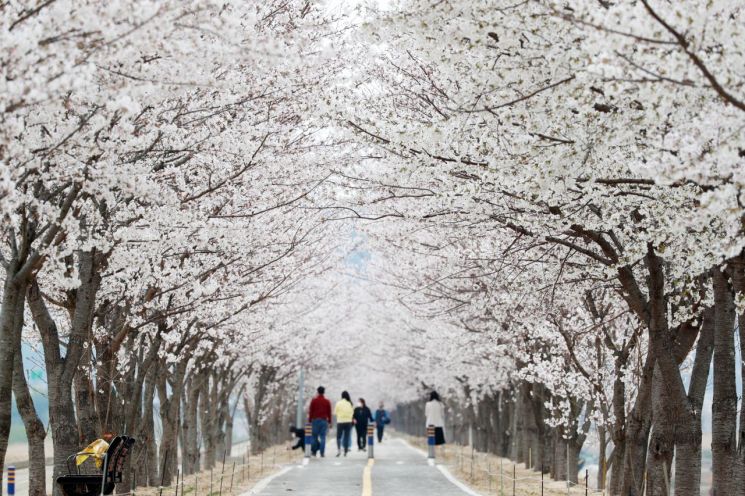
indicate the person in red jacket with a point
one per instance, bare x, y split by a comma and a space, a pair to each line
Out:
319, 415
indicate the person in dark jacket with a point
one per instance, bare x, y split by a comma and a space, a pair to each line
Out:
381, 420
300, 435
362, 416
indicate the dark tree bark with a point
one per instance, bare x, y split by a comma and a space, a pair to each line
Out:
138, 411
110, 406
61, 370
190, 423
541, 446
206, 421
35, 432
618, 435
559, 468
724, 410
737, 265
258, 436
516, 449
602, 457
149, 469
170, 409
85, 403
662, 440
636, 437
10, 342
27, 243
688, 461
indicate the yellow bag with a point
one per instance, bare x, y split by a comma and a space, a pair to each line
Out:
97, 449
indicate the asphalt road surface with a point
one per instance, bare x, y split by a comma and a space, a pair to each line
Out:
398, 470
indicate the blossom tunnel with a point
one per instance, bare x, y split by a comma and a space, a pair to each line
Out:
534, 208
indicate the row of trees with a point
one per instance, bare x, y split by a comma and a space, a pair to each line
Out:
561, 182
546, 208
154, 159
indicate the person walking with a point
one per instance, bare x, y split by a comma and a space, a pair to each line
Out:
362, 416
319, 415
344, 411
434, 412
381, 420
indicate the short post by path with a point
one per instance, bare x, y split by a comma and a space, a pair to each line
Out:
431, 441
370, 441
11, 480
308, 438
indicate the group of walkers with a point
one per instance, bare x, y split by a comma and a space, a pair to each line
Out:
359, 417
347, 416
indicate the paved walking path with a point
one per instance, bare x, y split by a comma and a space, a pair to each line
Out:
398, 470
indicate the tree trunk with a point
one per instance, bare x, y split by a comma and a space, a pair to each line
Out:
61, 371
506, 423
206, 419
10, 342
688, 444
602, 462
85, 404
35, 432
574, 449
62, 422
221, 413
530, 428
122, 420
170, 420
737, 265
541, 442
258, 437
150, 467
516, 452
190, 427
661, 442
559, 468
671, 409
618, 434
637, 434
724, 409
230, 419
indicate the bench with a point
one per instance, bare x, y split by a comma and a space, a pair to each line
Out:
77, 484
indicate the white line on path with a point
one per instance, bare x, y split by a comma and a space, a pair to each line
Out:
408, 445
456, 482
261, 485
442, 469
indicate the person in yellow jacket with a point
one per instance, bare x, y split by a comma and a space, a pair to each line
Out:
343, 412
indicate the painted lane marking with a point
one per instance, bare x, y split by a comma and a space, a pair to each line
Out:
456, 482
412, 448
367, 478
442, 469
261, 485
